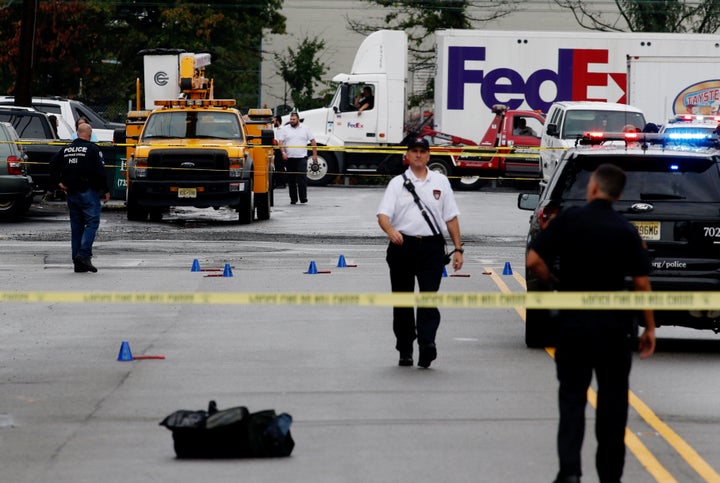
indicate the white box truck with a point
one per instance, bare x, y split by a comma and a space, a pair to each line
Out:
529, 70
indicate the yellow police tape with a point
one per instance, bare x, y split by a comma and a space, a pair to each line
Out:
467, 300
449, 150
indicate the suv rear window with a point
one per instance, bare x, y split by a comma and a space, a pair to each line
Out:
649, 178
26, 125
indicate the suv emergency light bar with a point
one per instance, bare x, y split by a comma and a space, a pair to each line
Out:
195, 102
693, 118
675, 139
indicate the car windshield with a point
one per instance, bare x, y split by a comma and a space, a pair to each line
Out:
580, 121
649, 178
192, 124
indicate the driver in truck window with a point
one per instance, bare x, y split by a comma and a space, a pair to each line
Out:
522, 129
364, 100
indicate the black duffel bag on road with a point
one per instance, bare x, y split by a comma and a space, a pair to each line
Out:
230, 433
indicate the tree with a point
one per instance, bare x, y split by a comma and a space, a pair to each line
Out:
301, 70
420, 19
89, 49
647, 15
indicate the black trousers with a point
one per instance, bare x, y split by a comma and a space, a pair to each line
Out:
297, 178
609, 355
279, 175
421, 259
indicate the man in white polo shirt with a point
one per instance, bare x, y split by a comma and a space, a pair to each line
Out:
417, 247
294, 138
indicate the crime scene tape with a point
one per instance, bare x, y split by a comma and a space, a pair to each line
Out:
448, 150
467, 300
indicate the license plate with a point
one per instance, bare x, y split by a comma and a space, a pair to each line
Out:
187, 192
649, 230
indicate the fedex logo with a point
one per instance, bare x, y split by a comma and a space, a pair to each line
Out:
574, 78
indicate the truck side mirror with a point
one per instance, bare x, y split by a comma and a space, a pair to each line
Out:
267, 136
552, 130
119, 136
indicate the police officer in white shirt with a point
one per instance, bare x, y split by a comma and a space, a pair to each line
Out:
293, 138
417, 247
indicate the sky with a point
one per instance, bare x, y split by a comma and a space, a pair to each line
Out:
327, 20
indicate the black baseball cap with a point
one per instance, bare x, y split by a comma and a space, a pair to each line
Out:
419, 143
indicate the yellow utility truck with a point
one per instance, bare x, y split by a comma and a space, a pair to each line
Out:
195, 150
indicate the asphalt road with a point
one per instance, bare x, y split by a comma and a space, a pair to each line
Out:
485, 412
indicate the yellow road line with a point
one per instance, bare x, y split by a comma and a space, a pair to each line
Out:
504, 289
686, 451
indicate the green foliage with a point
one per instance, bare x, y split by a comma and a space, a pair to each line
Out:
648, 15
90, 48
301, 70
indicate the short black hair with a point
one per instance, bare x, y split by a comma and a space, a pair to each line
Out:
610, 179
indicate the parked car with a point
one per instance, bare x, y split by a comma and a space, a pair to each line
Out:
71, 110
16, 187
672, 196
35, 128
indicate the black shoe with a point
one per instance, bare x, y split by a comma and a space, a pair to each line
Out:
406, 360
428, 353
85, 265
293, 202
80, 267
303, 201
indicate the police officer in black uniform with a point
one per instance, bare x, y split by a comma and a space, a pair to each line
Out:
593, 248
79, 170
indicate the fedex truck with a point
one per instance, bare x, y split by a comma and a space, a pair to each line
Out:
662, 74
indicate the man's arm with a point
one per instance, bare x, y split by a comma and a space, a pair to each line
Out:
453, 227
537, 265
314, 146
647, 339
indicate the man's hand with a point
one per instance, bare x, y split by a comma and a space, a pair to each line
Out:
647, 343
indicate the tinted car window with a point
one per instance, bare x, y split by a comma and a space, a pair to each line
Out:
650, 179
26, 126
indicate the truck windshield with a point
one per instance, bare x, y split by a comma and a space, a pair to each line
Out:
578, 122
192, 124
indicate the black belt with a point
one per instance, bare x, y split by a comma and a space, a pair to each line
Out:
422, 237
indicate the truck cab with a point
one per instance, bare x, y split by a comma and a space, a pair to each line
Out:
512, 140
380, 65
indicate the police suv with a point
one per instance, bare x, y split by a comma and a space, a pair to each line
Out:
672, 196
684, 126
